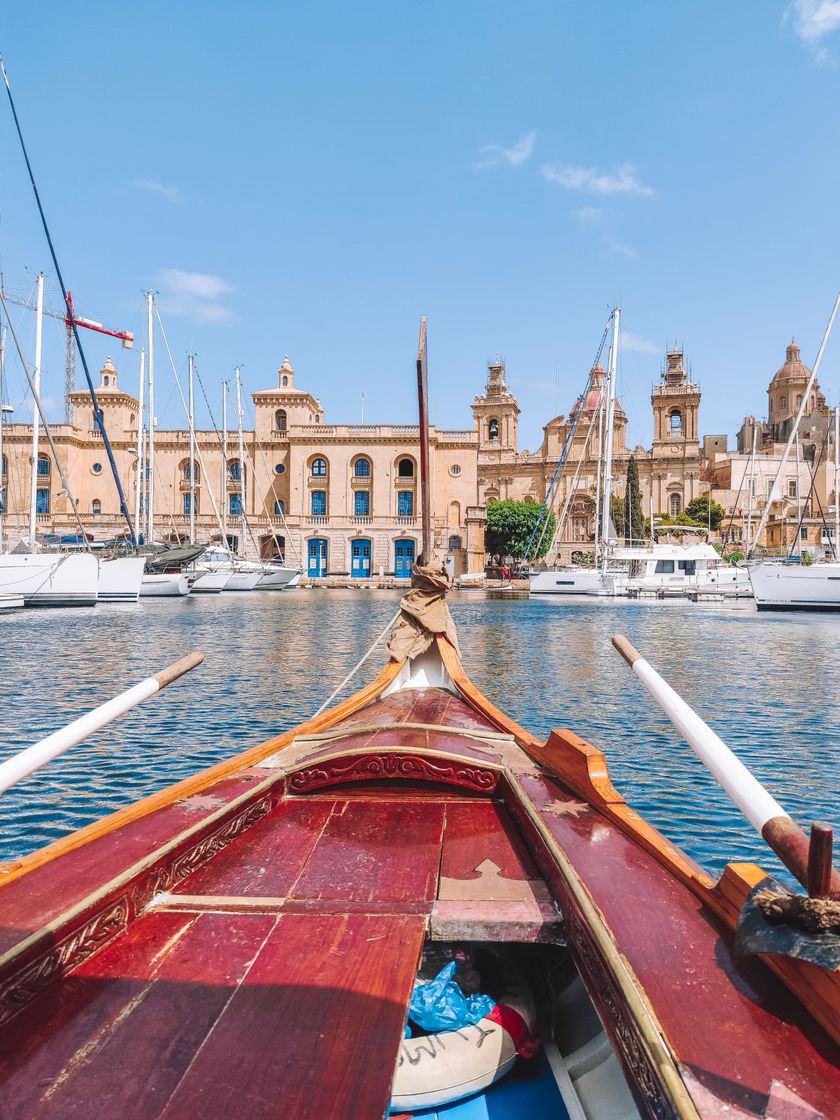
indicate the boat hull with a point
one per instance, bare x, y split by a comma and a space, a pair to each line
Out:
243, 581
164, 585
785, 587
119, 580
276, 578
210, 583
583, 581
51, 579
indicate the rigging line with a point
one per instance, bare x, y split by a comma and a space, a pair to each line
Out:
199, 456
804, 505
264, 461
561, 521
358, 666
561, 460
37, 398
99, 419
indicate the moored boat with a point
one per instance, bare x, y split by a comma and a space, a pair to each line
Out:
795, 586
120, 579
50, 579
164, 584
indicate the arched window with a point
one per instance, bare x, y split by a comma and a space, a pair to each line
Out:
319, 468
285, 380
234, 470
185, 470
492, 429
454, 543
675, 422
106, 379
782, 402
280, 419
44, 466
5, 466
279, 507
798, 399
674, 505
361, 468
96, 507
131, 420
454, 519
317, 419
405, 468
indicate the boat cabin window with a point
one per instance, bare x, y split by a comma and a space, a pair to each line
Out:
689, 567
664, 567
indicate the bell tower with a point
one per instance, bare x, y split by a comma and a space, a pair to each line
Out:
676, 404
496, 413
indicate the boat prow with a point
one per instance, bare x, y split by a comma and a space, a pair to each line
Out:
246, 942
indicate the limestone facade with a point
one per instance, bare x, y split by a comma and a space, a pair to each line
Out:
343, 499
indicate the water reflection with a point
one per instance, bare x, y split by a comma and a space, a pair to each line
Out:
766, 683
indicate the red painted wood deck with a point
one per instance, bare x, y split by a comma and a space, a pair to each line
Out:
265, 942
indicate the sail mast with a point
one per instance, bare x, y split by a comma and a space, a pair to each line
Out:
4, 485
138, 505
224, 464
612, 365
36, 375
190, 360
151, 331
241, 458
752, 484
423, 407
836, 479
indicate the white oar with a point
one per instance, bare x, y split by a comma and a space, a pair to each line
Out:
26, 761
810, 861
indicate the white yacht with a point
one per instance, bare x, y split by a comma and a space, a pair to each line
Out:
796, 587
675, 570
50, 579
573, 581
120, 579
246, 575
164, 584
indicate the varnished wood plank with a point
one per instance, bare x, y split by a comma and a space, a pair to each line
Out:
117, 1037
479, 831
375, 850
314, 1029
268, 857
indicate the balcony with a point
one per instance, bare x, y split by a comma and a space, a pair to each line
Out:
362, 519
406, 520
318, 481
317, 519
361, 481
405, 481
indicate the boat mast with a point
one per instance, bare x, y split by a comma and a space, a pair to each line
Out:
752, 484
138, 505
600, 469
150, 521
836, 478
611, 380
224, 464
4, 490
423, 407
36, 373
798, 539
765, 513
241, 458
190, 360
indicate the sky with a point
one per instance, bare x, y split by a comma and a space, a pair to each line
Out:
310, 178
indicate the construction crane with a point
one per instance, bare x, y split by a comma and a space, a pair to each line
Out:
126, 337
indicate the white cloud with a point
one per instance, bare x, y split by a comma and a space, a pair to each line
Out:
166, 190
589, 215
620, 249
621, 181
194, 295
494, 155
638, 345
814, 18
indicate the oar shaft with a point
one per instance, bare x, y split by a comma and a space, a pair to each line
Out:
32, 758
776, 827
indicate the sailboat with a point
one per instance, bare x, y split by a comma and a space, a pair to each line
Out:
266, 938
799, 587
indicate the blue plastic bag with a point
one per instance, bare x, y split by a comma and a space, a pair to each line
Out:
440, 1005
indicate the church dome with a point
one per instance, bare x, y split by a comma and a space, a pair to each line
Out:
794, 368
592, 399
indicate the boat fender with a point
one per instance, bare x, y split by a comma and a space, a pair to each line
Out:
436, 1069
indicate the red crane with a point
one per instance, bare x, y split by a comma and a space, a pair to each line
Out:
126, 337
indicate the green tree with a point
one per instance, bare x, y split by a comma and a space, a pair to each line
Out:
706, 512
634, 520
510, 526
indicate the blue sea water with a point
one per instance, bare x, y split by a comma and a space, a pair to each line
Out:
767, 683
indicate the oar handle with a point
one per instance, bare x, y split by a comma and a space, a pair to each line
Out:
178, 668
810, 861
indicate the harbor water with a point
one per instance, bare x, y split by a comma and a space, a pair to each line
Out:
767, 683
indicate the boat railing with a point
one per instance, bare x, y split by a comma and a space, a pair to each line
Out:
25, 762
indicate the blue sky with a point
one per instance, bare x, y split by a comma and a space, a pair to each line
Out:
311, 178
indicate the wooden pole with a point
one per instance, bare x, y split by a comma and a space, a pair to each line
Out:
775, 826
423, 406
32, 758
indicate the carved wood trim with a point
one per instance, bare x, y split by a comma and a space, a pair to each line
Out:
408, 765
